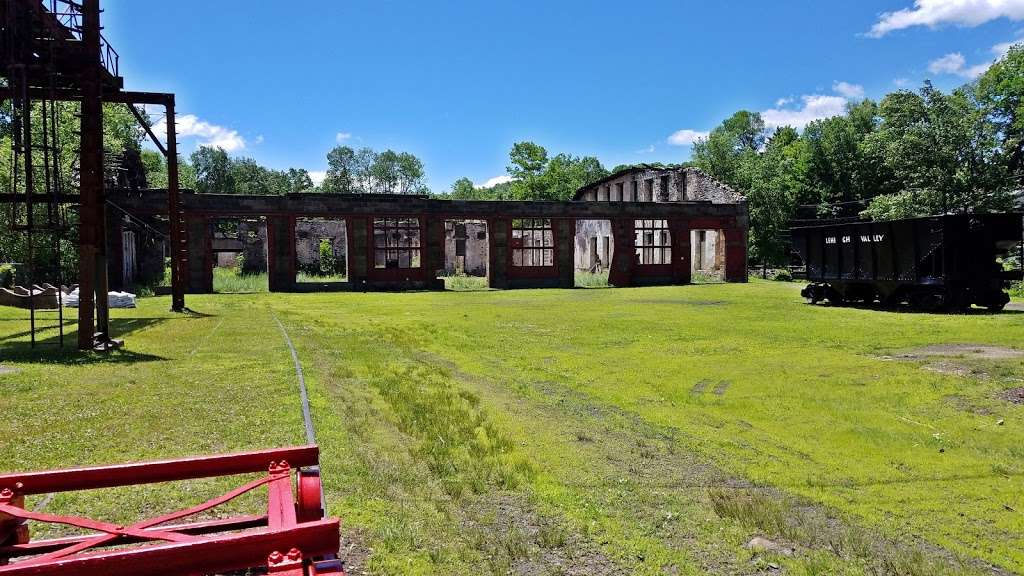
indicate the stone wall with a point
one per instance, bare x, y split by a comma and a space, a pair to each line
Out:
660, 185
591, 235
308, 234
465, 248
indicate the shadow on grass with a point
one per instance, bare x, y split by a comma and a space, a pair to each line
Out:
907, 309
17, 348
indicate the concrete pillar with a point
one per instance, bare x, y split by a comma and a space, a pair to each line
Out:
199, 275
498, 256
565, 251
681, 251
358, 251
433, 251
735, 254
624, 237
281, 253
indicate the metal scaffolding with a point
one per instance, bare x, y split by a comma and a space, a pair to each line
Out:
53, 53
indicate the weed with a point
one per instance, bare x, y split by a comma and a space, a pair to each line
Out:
584, 279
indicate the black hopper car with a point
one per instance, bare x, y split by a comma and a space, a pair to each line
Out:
934, 263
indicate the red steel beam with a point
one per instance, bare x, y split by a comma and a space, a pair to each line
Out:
205, 556
193, 528
71, 95
158, 471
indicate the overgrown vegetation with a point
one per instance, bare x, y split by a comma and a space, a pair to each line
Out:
910, 154
233, 281
465, 282
585, 279
495, 430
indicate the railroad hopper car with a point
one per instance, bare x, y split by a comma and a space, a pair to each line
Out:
948, 262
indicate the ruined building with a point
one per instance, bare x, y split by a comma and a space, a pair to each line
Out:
408, 242
652, 243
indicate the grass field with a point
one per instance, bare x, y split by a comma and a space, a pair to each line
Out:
645, 431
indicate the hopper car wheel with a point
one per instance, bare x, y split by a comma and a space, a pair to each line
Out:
309, 506
929, 301
996, 306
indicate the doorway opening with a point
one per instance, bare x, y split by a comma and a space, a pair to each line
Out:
238, 250
321, 252
594, 248
466, 254
707, 256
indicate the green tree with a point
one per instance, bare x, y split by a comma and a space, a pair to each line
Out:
944, 151
1001, 91
298, 180
214, 173
463, 189
527, 161
727, 146
341, 171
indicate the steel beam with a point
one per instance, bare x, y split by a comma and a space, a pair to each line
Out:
206, 556
159, 471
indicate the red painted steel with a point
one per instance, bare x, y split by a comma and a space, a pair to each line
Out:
196, 528
230, 552
159, 471
288, 541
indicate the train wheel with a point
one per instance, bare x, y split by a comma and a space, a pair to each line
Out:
996, 306
929, 301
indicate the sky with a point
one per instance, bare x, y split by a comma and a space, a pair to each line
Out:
458, 82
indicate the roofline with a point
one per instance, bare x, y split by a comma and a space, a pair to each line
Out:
614, 175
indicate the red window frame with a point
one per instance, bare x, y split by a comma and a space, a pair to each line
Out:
399, 235
533, 240
652, 244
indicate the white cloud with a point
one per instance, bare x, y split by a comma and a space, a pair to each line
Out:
190, 126
813, 107
952, 63
955, 63
847, 90
934, 13
317, 176
646, 150
686, 137
342, 137
495, 181
258, 139
782, 102
901, 82
1002, 48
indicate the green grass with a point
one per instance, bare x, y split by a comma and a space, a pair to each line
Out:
656, 429
231, 281
465, 283
584, 279
318, 278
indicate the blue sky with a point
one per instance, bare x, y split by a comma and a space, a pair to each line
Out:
456, 83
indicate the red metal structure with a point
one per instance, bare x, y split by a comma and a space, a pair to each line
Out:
51, 53
292, 539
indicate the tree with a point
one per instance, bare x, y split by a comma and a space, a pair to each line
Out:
721, 153
410, 174
341, 171
463, 189
565, 174
213, 171
526, 163
944, 151
298, 180
1001, 91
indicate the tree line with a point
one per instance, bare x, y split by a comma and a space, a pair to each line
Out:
913, 153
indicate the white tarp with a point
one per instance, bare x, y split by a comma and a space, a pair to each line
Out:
116, 299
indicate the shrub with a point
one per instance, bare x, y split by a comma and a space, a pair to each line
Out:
6, 275
1017, 290
783, 275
